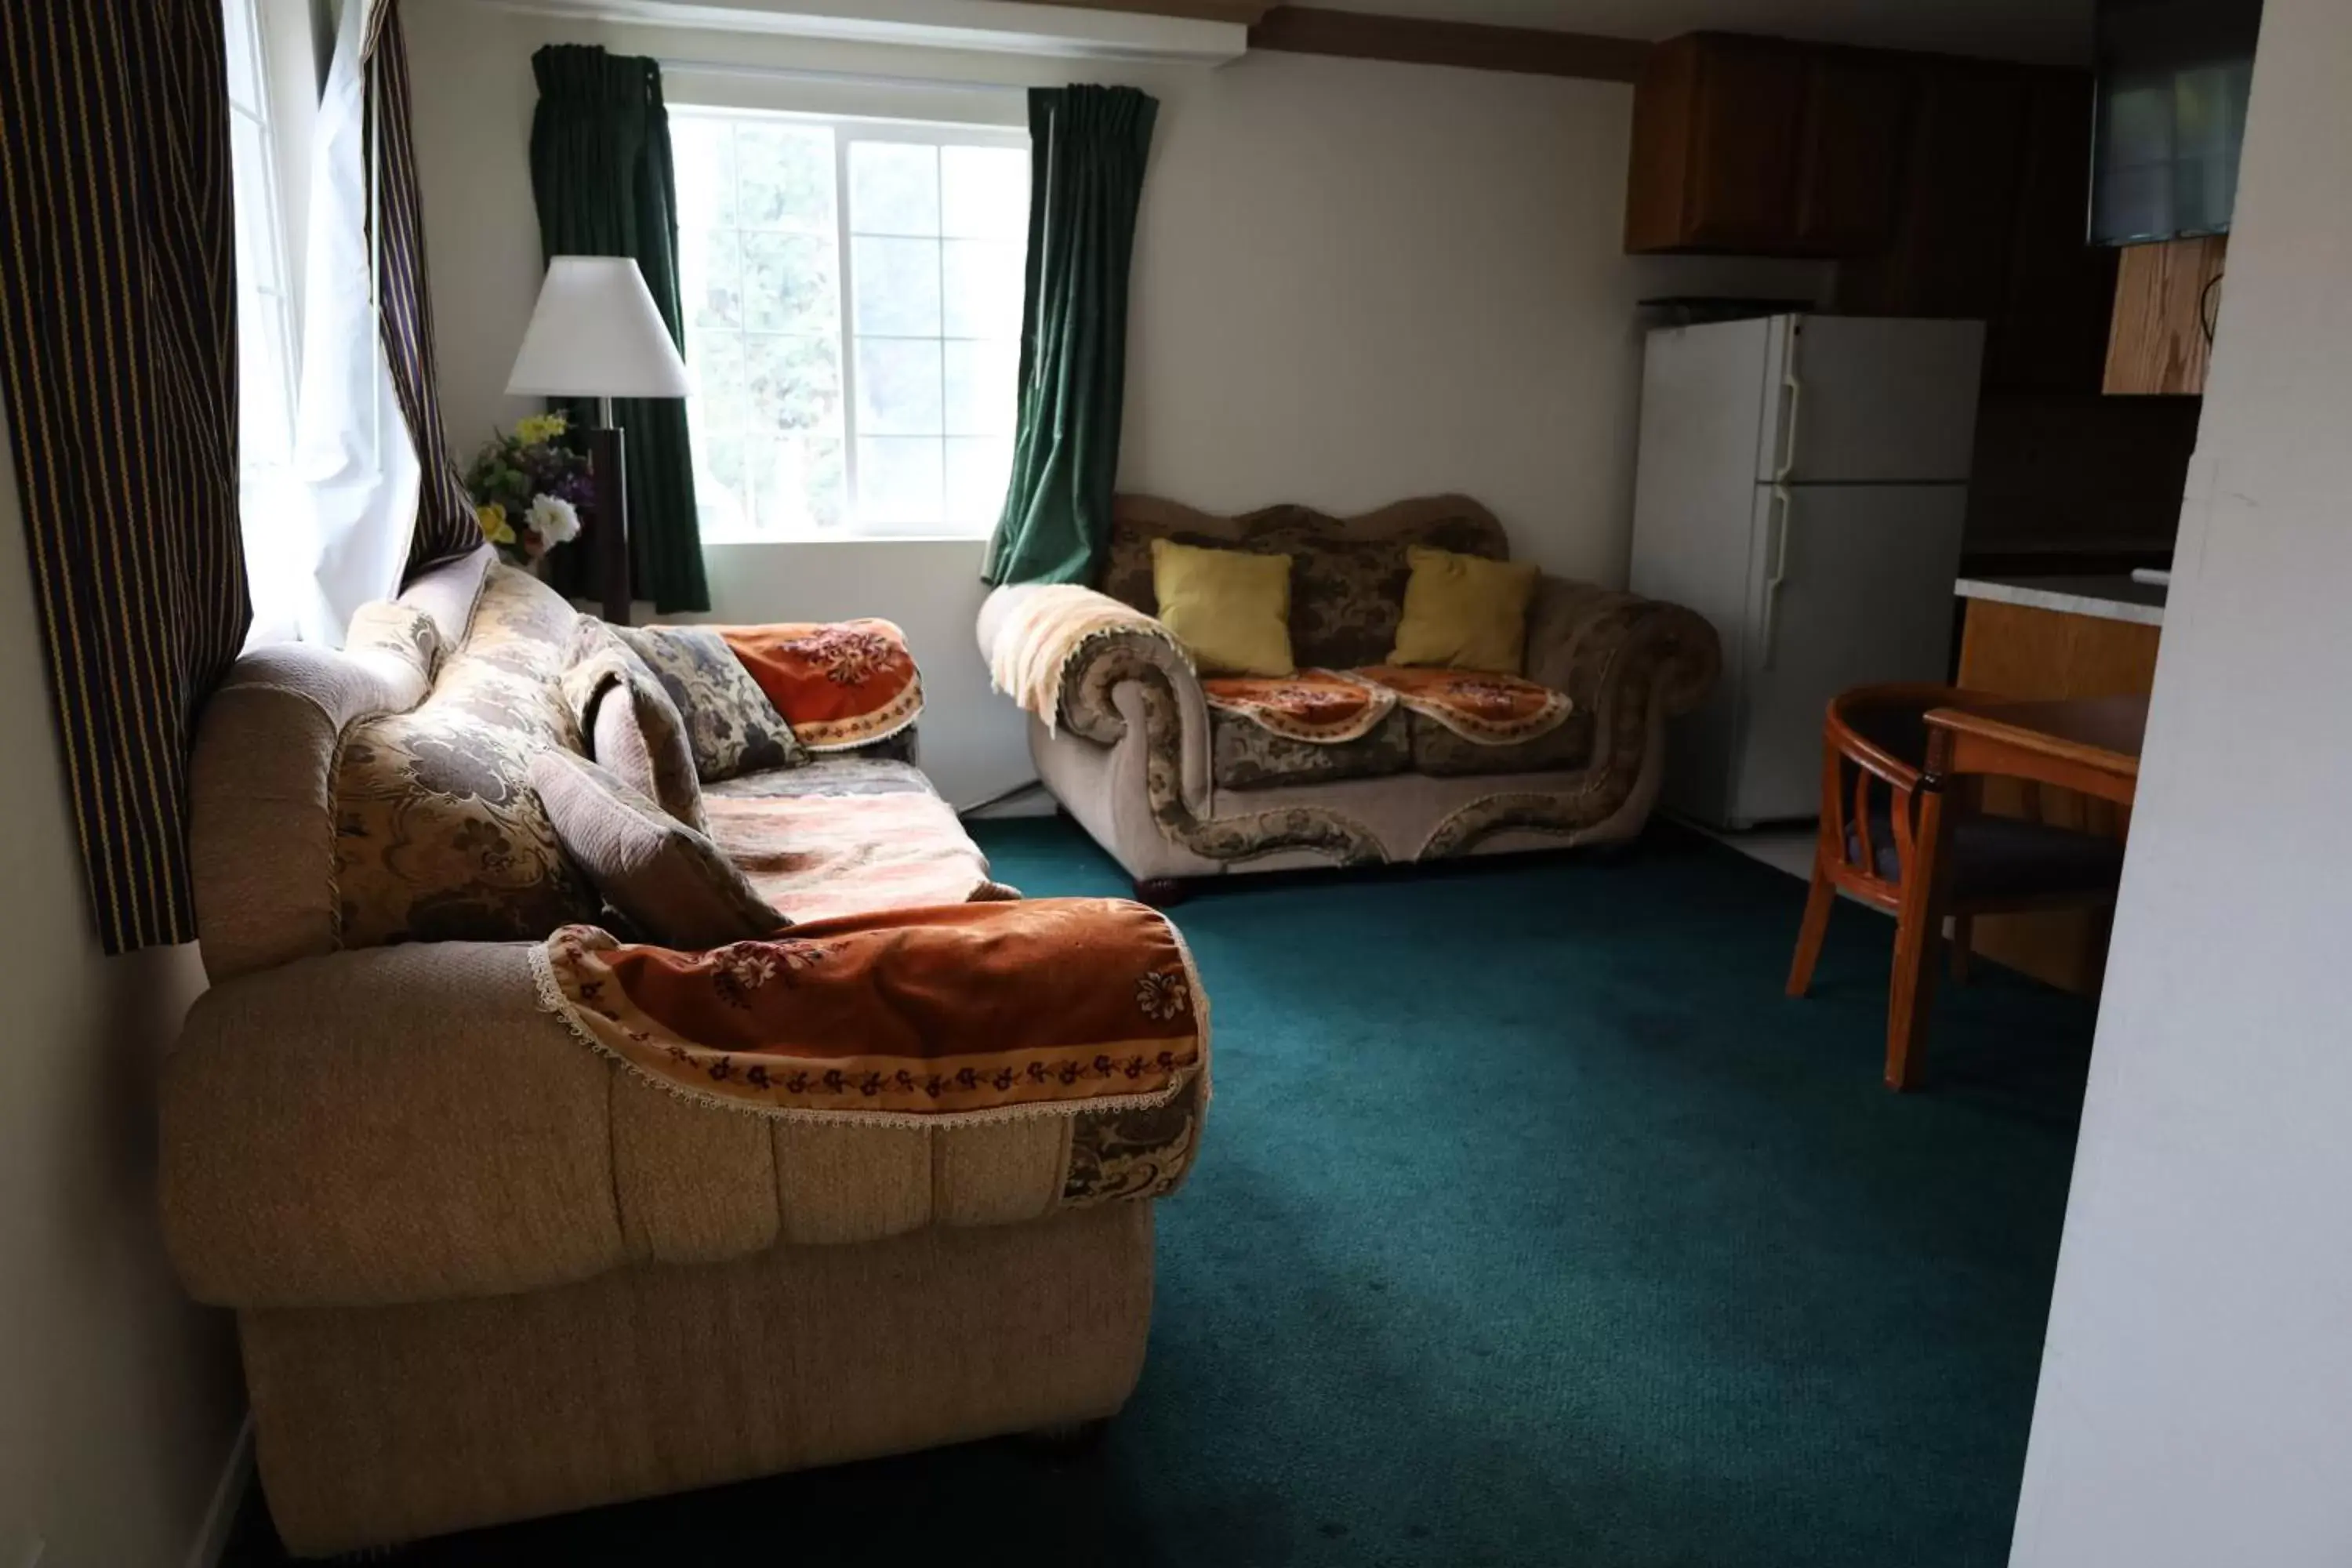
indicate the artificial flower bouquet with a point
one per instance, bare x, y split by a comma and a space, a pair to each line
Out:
528, 487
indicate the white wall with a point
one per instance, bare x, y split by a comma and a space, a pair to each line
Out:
2196, 1403
1354, 282
119, 1399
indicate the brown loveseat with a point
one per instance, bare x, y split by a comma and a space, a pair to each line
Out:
482, 1272
1174, 786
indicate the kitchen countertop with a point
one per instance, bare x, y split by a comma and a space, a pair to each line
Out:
2108, 597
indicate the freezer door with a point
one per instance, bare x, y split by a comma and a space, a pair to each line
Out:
1853, 585
1867, 400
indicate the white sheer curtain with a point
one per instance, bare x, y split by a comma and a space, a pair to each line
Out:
355, 467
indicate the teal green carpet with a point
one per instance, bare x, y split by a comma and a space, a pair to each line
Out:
1531, 1227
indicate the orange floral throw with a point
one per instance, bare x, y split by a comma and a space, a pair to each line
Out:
1322, 707
1482, 706
970, 1012
819, 857
844, 684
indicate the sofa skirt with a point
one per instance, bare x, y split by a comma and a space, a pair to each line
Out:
377, 1425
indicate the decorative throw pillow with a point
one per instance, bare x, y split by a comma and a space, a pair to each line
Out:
1230, 608
729, 722
666, 879
1464, 612
840, 685
632, 728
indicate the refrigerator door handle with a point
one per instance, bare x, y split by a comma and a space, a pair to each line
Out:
1793, 390
1775, 543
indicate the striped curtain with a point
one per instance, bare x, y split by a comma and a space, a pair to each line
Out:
118, 358
444, 513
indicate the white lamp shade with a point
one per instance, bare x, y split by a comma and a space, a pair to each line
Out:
596, 333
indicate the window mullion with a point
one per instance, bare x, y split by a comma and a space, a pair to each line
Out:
846, 341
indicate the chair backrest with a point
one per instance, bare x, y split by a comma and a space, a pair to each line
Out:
1873, 747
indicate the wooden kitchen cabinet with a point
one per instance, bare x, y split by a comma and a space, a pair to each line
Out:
2165, 301
1763, 147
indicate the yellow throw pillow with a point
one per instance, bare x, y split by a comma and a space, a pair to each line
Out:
1230, 608
1464, 612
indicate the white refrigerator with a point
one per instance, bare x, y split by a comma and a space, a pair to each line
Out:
1802, 483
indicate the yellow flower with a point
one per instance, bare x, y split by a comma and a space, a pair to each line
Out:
540, 428
494, 523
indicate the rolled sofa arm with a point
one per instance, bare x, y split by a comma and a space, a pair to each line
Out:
1614, 652
1062, 653
412, 1123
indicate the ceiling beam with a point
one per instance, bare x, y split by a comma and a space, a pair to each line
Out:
1355, 34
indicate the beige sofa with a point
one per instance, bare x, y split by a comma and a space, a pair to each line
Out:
479, 1271
1175, 789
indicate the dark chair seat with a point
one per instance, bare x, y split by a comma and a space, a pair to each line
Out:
2005, 857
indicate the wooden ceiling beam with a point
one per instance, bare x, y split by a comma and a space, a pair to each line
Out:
1356, 34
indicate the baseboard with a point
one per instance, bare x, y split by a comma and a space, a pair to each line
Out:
229, 1495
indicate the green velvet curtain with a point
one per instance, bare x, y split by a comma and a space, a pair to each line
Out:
1087, 148
601, 171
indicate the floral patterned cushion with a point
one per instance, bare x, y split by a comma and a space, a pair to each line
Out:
731, 724
439, 834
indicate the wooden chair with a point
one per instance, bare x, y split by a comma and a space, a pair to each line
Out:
1873, 747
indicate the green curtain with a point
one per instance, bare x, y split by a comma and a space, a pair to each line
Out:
1086, 150
601, 171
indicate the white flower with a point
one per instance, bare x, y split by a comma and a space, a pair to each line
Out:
553, 519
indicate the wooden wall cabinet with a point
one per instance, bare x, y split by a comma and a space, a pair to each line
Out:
1991, 224
1762, 147
2166, 297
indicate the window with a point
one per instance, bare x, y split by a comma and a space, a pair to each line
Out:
851, 292
265, 327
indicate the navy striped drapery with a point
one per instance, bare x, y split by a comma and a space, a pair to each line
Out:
446, 524
118, 352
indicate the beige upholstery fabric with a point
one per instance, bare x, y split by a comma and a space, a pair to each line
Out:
673, 885
327, 1140
384, 1424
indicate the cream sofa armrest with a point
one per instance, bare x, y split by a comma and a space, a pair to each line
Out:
1086, 678
1607, 648
399, 1123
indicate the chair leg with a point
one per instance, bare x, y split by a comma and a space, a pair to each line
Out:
1917, 929
1963, 929
1810, 935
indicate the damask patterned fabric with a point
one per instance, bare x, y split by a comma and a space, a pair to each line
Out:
919, 1017
439, 834
1440, 753
1346, 593
1481, 706
1323, 707
632, 727
1245, 754
839, 685
731, 724
398, 631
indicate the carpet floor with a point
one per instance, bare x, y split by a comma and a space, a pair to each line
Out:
1532, 1226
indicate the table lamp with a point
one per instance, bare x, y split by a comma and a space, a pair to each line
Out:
596, 333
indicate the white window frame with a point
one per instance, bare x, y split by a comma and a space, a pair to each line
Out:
848, 130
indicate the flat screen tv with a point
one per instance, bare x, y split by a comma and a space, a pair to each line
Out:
2173, 76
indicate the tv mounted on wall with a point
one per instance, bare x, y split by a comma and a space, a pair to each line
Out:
2173, 79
